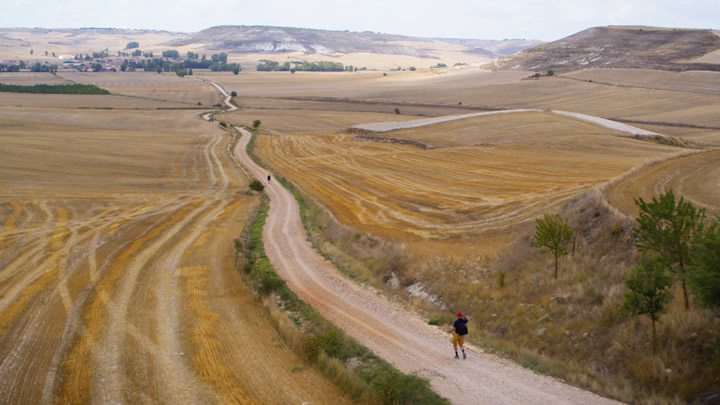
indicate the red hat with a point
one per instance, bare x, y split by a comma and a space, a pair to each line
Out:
459, 313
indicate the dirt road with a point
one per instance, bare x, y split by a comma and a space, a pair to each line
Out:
389, 126
391, 331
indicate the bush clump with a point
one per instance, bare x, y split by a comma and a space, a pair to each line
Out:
256, 185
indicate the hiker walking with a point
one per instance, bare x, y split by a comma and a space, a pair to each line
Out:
268, 178
459, 330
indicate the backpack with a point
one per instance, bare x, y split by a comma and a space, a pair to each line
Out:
462, 329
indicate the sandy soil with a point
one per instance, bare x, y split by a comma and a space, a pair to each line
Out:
395, 333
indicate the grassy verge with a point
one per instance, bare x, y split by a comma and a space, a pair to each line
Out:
53, 89
359, 372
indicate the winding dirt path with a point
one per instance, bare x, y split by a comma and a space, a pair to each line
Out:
390, 126
391, 331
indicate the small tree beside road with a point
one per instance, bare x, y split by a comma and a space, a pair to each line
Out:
648, 284
256, 124
554, 234
257, 186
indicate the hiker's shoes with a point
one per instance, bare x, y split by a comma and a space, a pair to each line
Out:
456, 356
464, 356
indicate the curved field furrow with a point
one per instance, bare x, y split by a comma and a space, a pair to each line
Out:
46, 302
117, 281
437, 193
694, 177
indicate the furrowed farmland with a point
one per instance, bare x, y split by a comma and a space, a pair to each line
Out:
483, 174
117, 279
141, 261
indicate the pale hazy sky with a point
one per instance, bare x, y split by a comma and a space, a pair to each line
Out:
547, 20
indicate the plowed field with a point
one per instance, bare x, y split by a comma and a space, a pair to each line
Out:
116, 276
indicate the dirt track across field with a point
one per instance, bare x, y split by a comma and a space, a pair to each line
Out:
391, 331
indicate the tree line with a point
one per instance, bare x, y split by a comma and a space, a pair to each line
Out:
53, 89
323, 66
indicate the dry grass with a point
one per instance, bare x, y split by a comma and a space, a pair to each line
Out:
166, 87
692, 81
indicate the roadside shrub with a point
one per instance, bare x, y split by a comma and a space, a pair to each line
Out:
256, 185
397, 111
256, 124
329, 341
394, 387
266, 280
233, 93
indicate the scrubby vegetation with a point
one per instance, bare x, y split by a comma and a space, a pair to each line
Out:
54, 89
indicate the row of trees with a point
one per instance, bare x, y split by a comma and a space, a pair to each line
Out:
35, 67
322, 66
54, 89
678, 244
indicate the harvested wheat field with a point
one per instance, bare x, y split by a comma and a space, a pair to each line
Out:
481, 175
694, 177
116, 272
167, 87
678, 104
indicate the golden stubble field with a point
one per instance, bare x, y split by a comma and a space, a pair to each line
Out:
664, 97
482, 177
465, 207
116, 274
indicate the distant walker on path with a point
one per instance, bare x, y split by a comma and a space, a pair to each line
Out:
268, 178
459, 330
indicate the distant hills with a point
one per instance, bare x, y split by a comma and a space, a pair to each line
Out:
620, 47
259, 39
599, 47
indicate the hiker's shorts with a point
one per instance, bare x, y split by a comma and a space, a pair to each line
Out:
458, 339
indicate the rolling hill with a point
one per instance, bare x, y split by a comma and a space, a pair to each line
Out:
621, 47
253, 42
253, 39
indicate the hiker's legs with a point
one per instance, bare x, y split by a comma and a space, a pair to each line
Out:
455, 340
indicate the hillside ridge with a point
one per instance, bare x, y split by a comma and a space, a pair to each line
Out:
620, 47
270, 39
